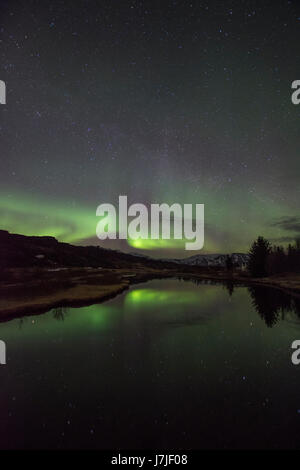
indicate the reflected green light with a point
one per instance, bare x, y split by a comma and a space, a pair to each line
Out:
183, 295
152, 297
98, 317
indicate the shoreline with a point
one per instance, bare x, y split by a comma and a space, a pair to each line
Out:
32, 292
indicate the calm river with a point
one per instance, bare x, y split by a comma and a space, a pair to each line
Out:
169, 364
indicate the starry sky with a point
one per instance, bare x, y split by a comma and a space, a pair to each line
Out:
162, 101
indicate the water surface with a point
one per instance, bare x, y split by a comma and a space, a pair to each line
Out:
167, 364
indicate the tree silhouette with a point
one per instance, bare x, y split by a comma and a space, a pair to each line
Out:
229, 263
282, 260
59, 313
258, 256
272, 304
229, 285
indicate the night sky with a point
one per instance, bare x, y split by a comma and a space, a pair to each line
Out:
170, 101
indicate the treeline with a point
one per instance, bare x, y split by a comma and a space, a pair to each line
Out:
266, 259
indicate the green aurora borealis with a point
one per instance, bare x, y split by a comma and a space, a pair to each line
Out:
235, 222
185, 103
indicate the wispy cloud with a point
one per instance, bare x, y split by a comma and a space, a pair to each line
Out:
288, 223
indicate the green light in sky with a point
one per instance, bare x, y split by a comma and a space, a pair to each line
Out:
149, 244
232, 219
33, 216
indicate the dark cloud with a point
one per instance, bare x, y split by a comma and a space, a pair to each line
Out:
289, 223
282, 240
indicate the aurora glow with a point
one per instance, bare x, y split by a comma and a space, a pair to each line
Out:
178, 298
169, 109
35, 216
20, 213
